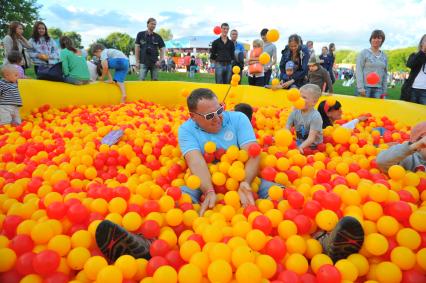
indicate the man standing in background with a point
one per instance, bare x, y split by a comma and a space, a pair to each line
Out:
271, 49
221, 55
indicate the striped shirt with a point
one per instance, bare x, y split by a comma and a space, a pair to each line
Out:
9, 94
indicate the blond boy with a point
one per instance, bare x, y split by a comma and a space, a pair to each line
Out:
10, 100
307, 122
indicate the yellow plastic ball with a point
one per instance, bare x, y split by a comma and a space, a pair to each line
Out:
388, 272
272, 35
188, 249
201, 260
326, 219
31, 278
190, 273
418, 220
132, 221
42, 233
93, 265
81, 238
403, 257
341, 135
264, 58
219, 271
376, 244
348, 270
193, 182
387, 225
110, 274
319, 260
275, 81
267, 265
372, 210
256, 239
77, 257
297, 263
174, 217
396, 172
117, 205
299, 103
409, 238
293, 94
212, 234
287, 228
242, 254
283, 138
60, 244
360, 262
7, 259
421, 258
296, 244
236, 70
220, 251
248, 272
210, 147
379, 193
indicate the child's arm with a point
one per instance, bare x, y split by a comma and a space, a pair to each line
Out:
328, 81
105, 71
290, 121
65, 65
310, 140
397, 153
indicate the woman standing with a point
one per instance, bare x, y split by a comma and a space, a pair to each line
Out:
298, 53
74, 66
372, 60
414, 88
45, 51
15, 41
331, 50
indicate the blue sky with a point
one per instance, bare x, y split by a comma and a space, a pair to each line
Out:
346, 23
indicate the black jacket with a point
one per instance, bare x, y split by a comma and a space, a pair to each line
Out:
416, 62
302, 69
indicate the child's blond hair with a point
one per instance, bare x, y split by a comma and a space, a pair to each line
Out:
314, 90
258, 43
8, 68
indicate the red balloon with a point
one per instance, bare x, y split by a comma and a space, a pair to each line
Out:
198, 238
122, 192
373, 78
276, 248
289, 276
159, 248
217, 30
78, 213
254, 150
24, 263
291, 213
150, 206
323, 176
9, 225
262, 223
400, 210
328, 274
150, 229
154, 263
56, 210
46, 262
174, 192
268, 173
296, 200
303, 224
174, 259
331, 201
21, 244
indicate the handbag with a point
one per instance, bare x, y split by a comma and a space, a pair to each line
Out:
51, 72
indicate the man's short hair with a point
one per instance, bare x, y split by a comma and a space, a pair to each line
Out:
151, 20
378, 34
264, 31
224, 25
197, 95
234, 30
312, 89
244, 108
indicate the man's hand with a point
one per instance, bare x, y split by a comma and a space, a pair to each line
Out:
158, 63
209, 202
362, 93
246, 194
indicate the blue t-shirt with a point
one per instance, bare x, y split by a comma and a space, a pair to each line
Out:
236, 130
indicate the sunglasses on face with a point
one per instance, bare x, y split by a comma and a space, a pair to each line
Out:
210, 116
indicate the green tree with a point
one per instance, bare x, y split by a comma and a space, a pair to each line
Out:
55, 33
75, 37
24, 11
346, 56
166, 34
118, 40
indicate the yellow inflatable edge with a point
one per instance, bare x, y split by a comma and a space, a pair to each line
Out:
36, 93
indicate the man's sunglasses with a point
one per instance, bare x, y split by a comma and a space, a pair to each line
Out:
210, 116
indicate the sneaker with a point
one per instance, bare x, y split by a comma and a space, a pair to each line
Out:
114, 241
346, 239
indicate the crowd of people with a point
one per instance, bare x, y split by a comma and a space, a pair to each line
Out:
298, 65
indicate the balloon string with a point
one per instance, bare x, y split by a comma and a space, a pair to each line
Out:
229, 88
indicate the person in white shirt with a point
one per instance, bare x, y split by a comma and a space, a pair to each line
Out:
330, 114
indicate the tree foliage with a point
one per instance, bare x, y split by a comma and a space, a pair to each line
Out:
165, 33
75, 37
397, 58
117, 40
55, 33
24, 11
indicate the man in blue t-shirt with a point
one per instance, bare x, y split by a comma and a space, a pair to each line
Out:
240, 53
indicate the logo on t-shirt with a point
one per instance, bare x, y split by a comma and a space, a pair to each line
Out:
229, 135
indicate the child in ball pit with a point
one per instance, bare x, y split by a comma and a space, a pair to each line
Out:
15, 58
10, 99
411, 155
331, 114
307, 122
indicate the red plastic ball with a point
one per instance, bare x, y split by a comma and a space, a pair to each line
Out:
174, 259
311, 208
289, 277
254, 150
77, 213
24, 263
150, 229
154, 263
373, 78
276, 248
328, 274
400, 210
46, 262
331, 201
174, 192
159, 248
56, 210
217, 30
262, 223
268, 173
303, 224
21, 244
296, 200
57, 277
9, 225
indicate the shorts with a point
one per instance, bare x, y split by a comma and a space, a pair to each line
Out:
121, 67
9, 114
263, 191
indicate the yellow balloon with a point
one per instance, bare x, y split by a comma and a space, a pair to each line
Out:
236, 70
190, 273
110, 274
297, 263
299, 103
388, 272
272, 35
165, 274
264, 58
248, 272
219, 271
293, 94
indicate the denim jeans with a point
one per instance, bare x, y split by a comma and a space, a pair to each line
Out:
222, 73
262, 193
144, 72
256, 81
373, 92
418, 96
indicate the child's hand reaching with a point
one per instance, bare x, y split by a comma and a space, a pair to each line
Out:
362, 118
419, 144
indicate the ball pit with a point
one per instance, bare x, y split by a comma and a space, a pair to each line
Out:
57, 182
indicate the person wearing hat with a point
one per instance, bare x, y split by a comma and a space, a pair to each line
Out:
411, 155
319, 76
286, 79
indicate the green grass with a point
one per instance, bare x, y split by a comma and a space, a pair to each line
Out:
393, 93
